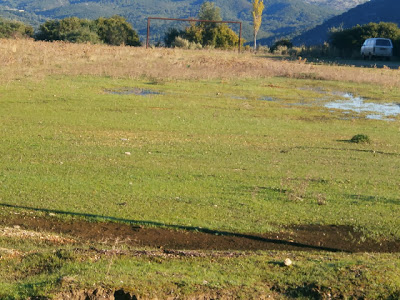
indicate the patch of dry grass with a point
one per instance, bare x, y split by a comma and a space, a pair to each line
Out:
19, 233
27, 58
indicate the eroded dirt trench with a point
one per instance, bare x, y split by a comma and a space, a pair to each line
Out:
296, 238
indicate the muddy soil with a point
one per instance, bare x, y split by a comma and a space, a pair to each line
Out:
297, 238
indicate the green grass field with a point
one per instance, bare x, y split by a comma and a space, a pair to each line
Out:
210, 154
235, 155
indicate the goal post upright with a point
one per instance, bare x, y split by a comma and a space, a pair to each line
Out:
193, 20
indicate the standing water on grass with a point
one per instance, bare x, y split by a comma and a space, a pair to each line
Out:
134, 91
357, 104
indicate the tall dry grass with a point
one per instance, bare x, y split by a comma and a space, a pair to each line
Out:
27, 58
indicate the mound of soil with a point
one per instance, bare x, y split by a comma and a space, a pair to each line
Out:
300, 238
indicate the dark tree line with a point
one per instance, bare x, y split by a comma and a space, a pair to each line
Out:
113, 31
351, 40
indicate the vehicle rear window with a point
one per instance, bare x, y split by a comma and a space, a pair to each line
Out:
383, 43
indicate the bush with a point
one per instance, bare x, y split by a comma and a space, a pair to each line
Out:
83, 36
281, 44
281, 50
360, 139
263, 49
14, 29
116, 31
113, 31
226, 38
180, 42
170, 36
295, 51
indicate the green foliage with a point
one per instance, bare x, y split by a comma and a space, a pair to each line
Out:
117, 31
258, 7
114, 31
49, 31
194, 33
284, 17
281, 43
69, 29
14, 29
208, 11
314, 275
82, 35
226, 38
360, 139
180, 42
216, 35
170, 36
350, 40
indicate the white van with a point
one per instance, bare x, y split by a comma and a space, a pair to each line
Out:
377, 47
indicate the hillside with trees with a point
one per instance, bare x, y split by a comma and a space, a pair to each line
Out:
375, 11
282, 18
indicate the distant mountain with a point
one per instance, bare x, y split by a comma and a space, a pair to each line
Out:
337, 4
373, 11
21, 15
282, 18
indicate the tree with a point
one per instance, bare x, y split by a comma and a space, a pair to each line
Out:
206, 33
258, 7
117, 31
48, 31
82, 35
114, 31
14, 29
208, 11
194, 33
350, 40
171, 35
226, 38
72, 29
281, 43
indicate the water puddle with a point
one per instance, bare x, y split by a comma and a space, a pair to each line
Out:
266, 98
374, 111
262, 98
239, 97
132, 91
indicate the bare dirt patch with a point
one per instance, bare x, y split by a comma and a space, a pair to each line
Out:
300, 238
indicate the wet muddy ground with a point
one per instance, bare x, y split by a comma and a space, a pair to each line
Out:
297, 238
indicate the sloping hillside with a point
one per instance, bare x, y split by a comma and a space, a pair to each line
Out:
374, 11
337, 4
281, 18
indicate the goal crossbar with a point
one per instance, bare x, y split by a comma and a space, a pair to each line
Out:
193, 20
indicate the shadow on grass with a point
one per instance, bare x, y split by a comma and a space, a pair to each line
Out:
374, 199
345, 149
308, 290
181, 227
